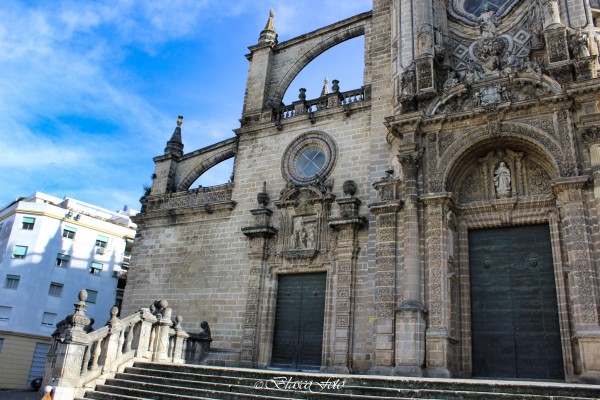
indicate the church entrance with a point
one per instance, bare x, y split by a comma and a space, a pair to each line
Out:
299, 317
514, 312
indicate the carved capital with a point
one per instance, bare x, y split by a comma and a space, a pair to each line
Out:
568, 190
410, 162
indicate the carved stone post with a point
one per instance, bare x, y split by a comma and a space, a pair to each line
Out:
346, 253
142, 342
178, 353
385, 210
63, 366
161, 350
439, 352
581, 277
112, 343
410, 321
259, 235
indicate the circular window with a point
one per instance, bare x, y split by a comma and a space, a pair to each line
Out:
309, 157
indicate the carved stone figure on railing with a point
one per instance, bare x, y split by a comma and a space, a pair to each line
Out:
451, 81
204, 331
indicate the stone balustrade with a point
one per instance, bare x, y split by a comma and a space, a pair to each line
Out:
207, 197
81, 357
334, 99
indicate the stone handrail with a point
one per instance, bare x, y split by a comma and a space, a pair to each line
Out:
79, 357
199, 197
330, 100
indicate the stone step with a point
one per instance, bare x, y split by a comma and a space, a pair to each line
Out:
168, 381
249, 386
548, 389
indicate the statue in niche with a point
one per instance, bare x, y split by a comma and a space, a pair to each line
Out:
487, 22
579, 45
303, 237
295, 242
310, 241
502, 180
408, 80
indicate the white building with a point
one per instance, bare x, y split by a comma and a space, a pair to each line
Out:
50, 249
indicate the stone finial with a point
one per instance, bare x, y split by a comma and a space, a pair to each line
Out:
325, 90
175, 145
263, 197
178, 320
268, 35
77, 321
335, 86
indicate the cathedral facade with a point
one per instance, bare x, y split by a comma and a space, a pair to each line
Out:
441, 220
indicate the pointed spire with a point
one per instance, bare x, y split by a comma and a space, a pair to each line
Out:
175, 145
268, 35
325, 90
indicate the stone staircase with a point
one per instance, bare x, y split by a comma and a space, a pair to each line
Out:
168, 381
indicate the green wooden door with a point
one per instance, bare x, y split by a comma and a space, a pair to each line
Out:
514, 312
299, 316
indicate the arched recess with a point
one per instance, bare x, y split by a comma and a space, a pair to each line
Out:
478, 142
214, 159
277, 95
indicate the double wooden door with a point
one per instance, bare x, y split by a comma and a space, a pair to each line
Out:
299, 317
514, 312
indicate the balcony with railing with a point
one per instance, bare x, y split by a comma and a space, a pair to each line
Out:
347, 101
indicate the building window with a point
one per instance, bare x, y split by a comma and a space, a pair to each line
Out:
62, 260
69, 232
48, 319
92, 296
309, 158
5, 313
12, 282
101, 243
55, 289
28, 223
19, 251
1, 343
96, 268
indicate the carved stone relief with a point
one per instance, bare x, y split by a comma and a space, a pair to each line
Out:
503, 173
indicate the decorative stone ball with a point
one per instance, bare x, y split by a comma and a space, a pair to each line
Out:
349, 188
83, 295
162, 304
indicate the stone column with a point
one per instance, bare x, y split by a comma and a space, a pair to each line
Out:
385, 210
258, 234
438, 341
346, 252
582, 280
555, 34
410, 322
591, 137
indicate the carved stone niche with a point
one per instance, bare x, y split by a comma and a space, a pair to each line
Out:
522, 174
303, 229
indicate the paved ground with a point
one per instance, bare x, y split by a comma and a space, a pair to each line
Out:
18, 395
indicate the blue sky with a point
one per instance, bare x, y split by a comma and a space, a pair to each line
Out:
90, 91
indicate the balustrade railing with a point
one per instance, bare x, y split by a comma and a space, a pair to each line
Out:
331, 100
79, 356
